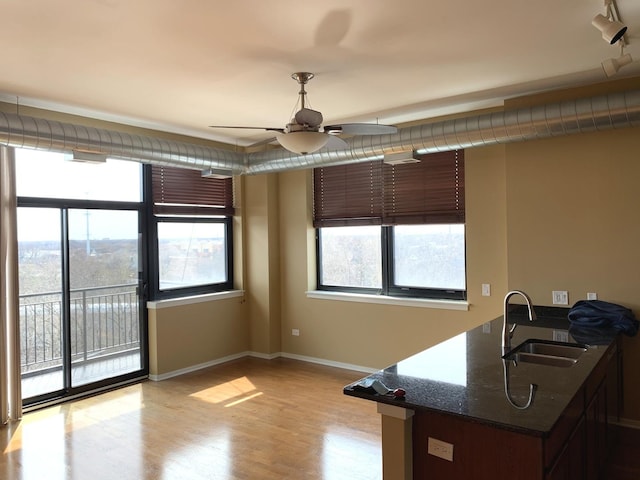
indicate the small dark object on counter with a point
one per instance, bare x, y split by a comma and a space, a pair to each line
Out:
399, 393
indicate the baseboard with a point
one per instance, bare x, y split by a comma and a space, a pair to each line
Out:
329, 363
265, 356
627, 423
194, 368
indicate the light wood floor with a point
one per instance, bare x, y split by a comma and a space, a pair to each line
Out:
247, 419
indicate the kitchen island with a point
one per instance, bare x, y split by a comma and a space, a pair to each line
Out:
466, 412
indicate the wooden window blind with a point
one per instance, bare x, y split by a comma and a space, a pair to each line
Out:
179, 191
373, 193
348, 195
431, 191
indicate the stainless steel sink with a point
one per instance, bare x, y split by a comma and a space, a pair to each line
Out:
545, 352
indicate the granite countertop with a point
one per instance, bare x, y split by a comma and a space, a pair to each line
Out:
465, 375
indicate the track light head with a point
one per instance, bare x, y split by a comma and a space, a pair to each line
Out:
612, 65
612, 30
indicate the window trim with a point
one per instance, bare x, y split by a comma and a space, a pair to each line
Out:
388, 300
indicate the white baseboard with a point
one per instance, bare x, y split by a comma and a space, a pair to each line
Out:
329, 363
265, 356
194, 368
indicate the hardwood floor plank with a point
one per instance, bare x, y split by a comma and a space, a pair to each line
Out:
247, 419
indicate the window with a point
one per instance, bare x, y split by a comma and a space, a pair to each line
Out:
192, 219
42, 174
392, 229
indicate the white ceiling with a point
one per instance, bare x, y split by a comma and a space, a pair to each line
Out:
181, 65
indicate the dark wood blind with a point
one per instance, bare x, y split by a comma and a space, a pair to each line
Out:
180, 191
373, 193
431, 191
348, 195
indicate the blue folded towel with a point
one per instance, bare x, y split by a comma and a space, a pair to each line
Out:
600, 314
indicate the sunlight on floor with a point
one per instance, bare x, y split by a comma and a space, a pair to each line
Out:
228, 391
16, 430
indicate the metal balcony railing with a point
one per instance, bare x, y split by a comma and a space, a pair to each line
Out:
103, 321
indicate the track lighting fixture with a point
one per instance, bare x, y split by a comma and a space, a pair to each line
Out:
612, 65
613, 31
610, 26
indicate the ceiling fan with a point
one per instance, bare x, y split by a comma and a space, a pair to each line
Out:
305, 133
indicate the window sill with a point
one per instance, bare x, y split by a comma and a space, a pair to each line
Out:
386, 300
209, 297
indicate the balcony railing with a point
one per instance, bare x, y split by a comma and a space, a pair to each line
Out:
103, 321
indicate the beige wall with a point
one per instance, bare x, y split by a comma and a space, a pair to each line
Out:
573, 224
373, 335
183, 337
263, 262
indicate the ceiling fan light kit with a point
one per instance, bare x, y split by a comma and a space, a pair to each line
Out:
303, 142
305, 134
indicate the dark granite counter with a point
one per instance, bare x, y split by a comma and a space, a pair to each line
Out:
465, 375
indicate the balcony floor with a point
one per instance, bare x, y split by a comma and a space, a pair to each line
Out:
81, 373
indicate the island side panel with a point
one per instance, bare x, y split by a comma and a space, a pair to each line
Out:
479, 451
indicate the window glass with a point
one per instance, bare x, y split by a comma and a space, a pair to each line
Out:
351, 257
59, 177
429, 256
191, 254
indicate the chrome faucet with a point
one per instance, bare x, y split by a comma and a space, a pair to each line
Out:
507, 332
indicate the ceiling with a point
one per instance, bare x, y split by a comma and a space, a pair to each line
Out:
180, 66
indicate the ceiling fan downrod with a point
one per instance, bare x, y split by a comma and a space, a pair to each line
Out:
302, 78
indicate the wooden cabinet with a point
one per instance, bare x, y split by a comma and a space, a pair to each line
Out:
570, 464
576, 448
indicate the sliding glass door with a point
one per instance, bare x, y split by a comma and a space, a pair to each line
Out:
104, 330
82, 325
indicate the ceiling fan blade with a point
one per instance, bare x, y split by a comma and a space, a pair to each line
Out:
360, 129
306, 116
269, 129
262, 142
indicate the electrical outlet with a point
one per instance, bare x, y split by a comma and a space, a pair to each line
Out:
440, 449
486, 290
486, 327
560, 335
560, 297
592, 296
295, 332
